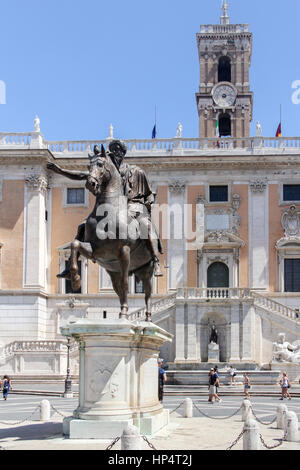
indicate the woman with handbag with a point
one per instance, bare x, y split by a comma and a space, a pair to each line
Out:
232, 375
285, 385
247, 385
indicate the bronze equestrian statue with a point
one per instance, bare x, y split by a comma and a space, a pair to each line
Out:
119, 233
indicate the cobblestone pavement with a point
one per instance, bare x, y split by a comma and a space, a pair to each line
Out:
197, 433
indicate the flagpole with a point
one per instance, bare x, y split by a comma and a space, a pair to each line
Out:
281, 117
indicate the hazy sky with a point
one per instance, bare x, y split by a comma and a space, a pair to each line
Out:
81, 65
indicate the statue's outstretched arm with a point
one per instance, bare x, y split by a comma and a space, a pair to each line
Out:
71, 174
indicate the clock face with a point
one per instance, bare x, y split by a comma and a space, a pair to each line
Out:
224, 96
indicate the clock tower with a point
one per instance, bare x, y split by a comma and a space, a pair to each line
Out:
224, 100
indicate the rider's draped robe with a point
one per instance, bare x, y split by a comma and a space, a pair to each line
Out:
139, 193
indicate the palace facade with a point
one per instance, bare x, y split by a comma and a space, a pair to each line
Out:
243, 275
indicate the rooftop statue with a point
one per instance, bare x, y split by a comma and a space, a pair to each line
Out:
119, 233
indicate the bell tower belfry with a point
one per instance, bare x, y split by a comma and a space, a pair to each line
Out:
224, 100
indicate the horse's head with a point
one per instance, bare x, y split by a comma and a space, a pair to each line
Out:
100, 171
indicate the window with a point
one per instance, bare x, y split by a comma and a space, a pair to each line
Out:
69, 289
75, 195
218, 193
224, 70
218, 275
138, 286
291, 192
224, 125
292, 275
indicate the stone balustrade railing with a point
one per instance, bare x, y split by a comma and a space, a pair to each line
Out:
147, 147
38, 346
228, 28
162, 304
214, 293
270, 304
15, 139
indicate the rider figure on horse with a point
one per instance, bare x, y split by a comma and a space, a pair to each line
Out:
139, 196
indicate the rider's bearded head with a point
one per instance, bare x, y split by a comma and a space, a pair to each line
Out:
117, 152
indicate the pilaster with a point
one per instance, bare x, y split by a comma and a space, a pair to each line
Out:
35, 248
235, 332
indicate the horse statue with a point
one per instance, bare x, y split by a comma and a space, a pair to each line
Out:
113, 236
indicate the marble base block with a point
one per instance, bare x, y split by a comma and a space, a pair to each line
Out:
213, 352
118, 378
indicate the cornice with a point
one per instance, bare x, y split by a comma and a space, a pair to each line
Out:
25, 156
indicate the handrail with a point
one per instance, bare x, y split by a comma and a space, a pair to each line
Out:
166, 302
271, 304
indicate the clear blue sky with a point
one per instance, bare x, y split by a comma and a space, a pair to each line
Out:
81, 65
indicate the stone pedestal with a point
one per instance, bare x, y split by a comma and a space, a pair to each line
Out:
213, 352
118, 378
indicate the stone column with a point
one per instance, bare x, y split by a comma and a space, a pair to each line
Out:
235, 333
179, 336
247, 342
35, 248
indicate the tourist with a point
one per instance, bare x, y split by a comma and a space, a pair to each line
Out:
6, 386
284, 383
232, 375
217, 382
247, 385
214, 383
162, 378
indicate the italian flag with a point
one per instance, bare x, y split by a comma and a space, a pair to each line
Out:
217, 128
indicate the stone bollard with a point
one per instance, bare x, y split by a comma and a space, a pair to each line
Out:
291, 427
246, 410
44, 410
131, 439
188, 408
251, 438
281, 416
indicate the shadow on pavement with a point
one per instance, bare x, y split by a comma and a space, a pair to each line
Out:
32, 431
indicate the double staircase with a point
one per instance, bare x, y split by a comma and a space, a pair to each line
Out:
219, 295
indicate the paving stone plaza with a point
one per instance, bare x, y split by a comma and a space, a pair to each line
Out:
211, 428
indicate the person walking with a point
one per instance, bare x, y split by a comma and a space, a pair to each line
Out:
284, 383
247, 385
6, 386
232, 375
212, 387
162, 378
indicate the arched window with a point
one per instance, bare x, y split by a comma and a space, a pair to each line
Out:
224, 125
218, 275
224, 69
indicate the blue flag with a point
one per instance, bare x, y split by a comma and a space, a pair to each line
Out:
154, 132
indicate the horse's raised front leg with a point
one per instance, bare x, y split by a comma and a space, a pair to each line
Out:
124, 262
78, 248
